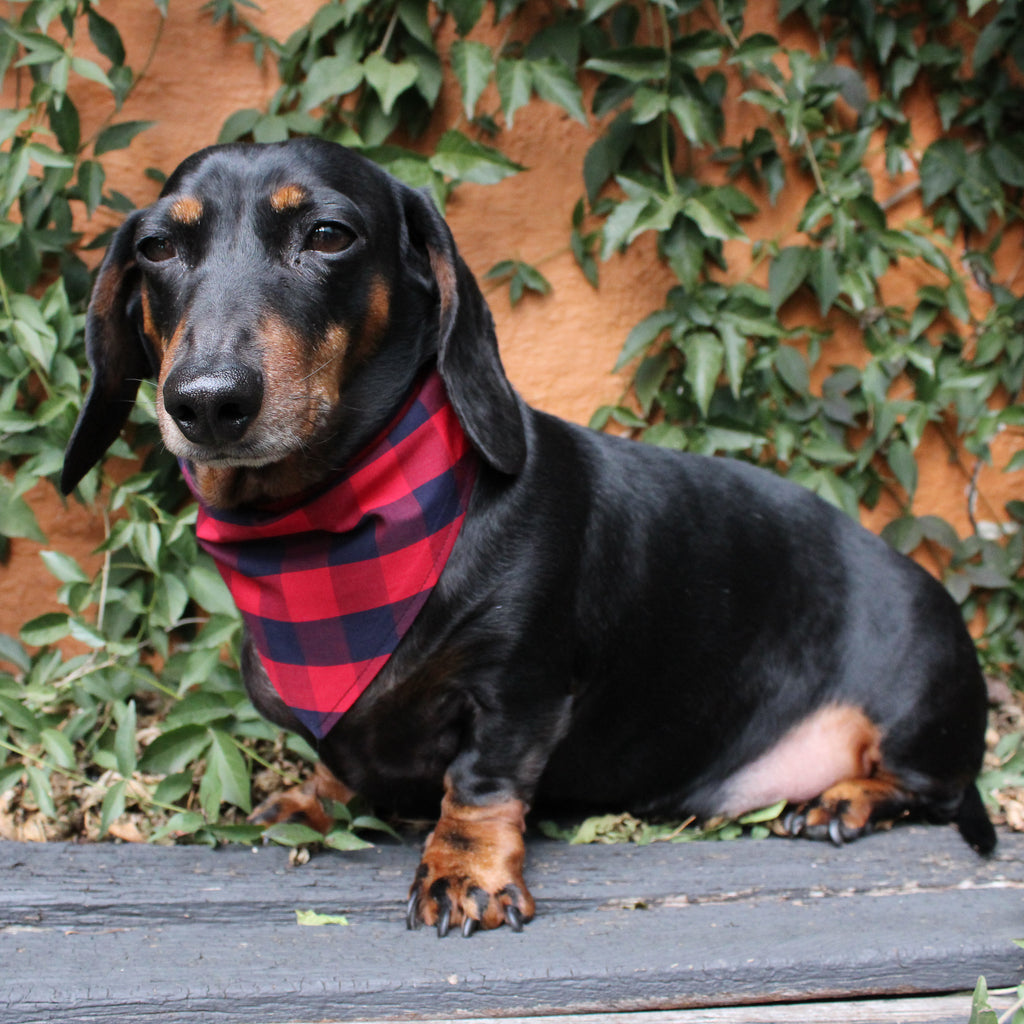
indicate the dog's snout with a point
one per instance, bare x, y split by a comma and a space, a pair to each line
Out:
213, 406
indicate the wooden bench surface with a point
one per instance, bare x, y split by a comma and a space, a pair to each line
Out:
138, 933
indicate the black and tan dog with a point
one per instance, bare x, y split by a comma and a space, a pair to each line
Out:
616, 626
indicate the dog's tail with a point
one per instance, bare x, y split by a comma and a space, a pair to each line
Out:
973, 822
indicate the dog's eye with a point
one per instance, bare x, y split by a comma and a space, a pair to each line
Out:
329, 238
157, 249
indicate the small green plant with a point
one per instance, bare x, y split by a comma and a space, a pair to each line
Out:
982, 1011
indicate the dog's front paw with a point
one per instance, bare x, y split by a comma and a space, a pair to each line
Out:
305, 804
471, 874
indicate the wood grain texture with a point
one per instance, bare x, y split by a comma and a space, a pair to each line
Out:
114, 933
910, 1010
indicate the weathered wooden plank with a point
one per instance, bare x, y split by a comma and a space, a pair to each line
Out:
915, 1010
105, 933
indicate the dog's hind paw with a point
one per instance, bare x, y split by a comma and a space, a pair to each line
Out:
471, 873
849, 810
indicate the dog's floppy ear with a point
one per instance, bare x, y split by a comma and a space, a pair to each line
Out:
467, 349
116, 354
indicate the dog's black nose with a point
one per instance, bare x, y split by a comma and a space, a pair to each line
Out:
213, 406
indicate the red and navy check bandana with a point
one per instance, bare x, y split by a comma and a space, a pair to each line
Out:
327, 588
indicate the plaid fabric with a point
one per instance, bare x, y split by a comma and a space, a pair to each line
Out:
327, 588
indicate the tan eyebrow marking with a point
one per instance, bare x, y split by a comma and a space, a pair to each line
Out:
187, 210
288, 197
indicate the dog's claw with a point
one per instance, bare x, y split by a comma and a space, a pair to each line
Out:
835, 831
794, 822
469, 926
514, 918
412, 912
444, 922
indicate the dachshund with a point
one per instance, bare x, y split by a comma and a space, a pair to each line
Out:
461, 600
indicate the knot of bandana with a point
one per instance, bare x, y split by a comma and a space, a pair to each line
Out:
328, 587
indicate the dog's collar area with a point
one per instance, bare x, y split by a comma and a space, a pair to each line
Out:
329, 585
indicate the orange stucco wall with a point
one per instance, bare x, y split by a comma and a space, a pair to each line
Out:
559, 350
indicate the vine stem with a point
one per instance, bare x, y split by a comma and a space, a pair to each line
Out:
388, 32
290, 778
666, 159
27, 755
780, 94
1008, 1016
5, 298
105, 576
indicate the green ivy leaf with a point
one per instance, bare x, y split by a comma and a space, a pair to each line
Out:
119, 136
787, 272
554, 82
16, 517
997, 35
633, 64
1007, 158
461, 159
791, 367
604, 158
389, 79
239, 124
59, 747
292, 834
91, 70
704, 359
224, 759
903, 534
206, 586
621, 224
515, 84
413, 16
644, 334
124, 738
45, 629
328, 78
981, 1012
521, 277
186, 823
473, 64
113, 805
343, 839
91, 178
39, 783
713, 219
466, 13
41, 48
824, 278
173, 788
595, 9
735, 349
648, 379
943, 167
901, 462
173, 750
10, 122
105, 36
12, 652
903, 72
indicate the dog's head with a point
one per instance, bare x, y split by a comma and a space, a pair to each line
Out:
285, 297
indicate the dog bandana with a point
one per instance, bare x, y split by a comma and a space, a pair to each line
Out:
328, 587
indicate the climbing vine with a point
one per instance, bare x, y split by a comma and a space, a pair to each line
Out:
740, 360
